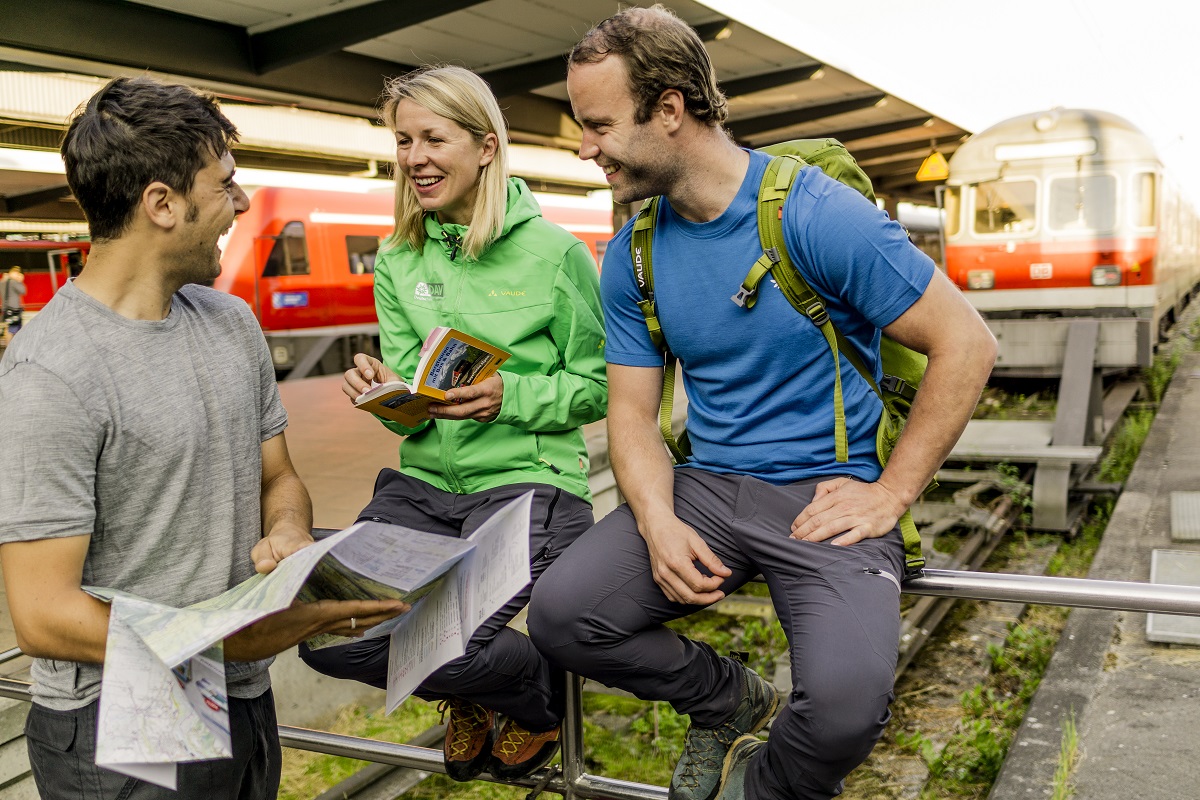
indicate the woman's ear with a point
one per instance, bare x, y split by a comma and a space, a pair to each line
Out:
491, 145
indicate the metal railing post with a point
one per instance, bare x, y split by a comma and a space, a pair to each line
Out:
572, 735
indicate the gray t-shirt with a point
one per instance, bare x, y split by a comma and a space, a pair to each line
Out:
146, 436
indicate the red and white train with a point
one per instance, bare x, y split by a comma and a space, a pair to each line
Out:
1068, 214
304, 260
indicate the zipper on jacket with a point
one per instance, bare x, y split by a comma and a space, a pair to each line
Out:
455, 243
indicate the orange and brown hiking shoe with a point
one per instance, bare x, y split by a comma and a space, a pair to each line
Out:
519, 752
469, 737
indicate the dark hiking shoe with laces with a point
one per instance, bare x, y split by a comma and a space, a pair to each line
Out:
733, 772
469, 737
698, 773
519, 752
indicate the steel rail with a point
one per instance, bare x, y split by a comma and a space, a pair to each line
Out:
573, 783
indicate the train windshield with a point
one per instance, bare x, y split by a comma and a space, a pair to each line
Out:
1084, 203
1005, 207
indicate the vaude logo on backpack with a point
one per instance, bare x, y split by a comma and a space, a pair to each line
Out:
902, 368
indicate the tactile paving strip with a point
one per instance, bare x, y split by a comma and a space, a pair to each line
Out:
1185, 516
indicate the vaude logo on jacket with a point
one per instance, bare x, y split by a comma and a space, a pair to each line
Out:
429, 291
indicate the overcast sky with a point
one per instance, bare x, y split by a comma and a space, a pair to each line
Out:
976, 63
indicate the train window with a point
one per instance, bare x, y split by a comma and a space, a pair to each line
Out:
1084, 203
34, 261
952, 201
289, 254
1005, 207
1145, 198
361, 251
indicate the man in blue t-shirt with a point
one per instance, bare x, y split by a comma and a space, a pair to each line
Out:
763, 491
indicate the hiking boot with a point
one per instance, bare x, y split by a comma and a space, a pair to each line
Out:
733, 771
698, 773
519, 752
469, 737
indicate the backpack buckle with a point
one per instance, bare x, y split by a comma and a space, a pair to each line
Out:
742, 295
817, 313
895, 385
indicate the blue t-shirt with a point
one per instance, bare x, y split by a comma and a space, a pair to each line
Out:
760, 381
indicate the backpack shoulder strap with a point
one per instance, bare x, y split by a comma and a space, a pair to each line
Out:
641, 246
773, 191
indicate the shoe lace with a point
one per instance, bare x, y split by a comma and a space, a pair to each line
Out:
512, 739
700, 756
467, 721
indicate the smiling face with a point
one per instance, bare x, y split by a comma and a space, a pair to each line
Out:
212, 205
636, 158
441, 161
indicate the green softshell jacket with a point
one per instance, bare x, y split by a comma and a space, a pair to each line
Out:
534, 292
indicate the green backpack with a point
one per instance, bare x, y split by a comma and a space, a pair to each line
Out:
902, 368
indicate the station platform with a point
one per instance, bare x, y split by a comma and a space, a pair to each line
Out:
1133, 700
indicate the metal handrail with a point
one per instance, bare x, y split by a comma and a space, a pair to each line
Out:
573, 783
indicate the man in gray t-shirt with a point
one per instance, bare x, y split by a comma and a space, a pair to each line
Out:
145, 447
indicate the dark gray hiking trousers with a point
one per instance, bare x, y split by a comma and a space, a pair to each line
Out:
500, 670
598, 612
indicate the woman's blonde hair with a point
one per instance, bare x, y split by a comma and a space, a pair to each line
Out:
465, 98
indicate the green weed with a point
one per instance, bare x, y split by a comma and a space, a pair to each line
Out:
1068, 759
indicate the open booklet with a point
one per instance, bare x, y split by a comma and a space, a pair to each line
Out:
449, 358
163, 696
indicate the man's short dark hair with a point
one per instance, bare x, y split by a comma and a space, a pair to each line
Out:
661, 52
131, 133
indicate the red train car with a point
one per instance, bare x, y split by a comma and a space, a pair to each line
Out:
47, 265
1066, 214
304, 260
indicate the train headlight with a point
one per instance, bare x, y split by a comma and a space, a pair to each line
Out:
1106, 275
981, 279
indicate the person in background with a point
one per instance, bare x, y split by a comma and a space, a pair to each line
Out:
12, 301
513, 279
145, 448
764, 491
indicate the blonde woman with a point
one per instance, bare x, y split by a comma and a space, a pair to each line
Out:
471, 250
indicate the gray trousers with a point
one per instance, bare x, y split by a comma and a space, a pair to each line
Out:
598, 612
501, 670
62, 754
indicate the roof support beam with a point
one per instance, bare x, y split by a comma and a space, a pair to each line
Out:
866, 154
768, 80
867, 131
521, 78
743, 128
13, 203
709, 31
329, 33
136, 38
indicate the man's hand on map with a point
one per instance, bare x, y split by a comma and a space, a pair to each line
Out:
273, 634
283, 540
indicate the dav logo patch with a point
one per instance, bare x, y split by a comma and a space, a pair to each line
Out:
429, 291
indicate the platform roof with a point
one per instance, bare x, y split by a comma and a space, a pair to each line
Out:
334, 57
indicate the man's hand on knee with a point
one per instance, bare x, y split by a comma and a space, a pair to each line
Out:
675, 549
